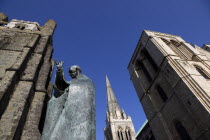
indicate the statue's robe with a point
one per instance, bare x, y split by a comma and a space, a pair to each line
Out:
71, 110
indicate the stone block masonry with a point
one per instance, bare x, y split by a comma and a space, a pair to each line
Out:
25, 71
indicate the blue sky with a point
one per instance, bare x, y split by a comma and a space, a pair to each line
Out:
101, 35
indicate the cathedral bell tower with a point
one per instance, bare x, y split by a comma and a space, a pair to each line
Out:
119, 126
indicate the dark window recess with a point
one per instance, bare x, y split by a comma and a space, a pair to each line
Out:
146, 73
127, 137
200, 70
121, 135
129, 134
182, 131
168, 71
175, 43
20, 26
118, 135
162, 94
189, 103
151, 61
166, 41
152, 138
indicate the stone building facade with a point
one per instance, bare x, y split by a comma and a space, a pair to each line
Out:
172, 80
25, 71
145, 132
119, 126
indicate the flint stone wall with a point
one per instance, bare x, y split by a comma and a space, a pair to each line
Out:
25, 71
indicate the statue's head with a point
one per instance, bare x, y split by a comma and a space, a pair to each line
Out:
74, 71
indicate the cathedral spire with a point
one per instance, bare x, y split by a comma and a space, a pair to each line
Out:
119, 126
112, 104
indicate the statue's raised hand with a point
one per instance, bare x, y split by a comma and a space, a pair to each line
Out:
59, 65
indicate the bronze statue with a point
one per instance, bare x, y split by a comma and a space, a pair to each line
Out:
71, 110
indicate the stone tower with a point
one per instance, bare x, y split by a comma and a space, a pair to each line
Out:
172, 80
119, 126
25, 71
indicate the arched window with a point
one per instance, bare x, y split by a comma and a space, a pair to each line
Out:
127, 134
146, 64
5, 42
182, 131
162, 94
151, 61
202, 72
140, 65
120, 134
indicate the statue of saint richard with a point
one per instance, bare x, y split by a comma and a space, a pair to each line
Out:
71, 110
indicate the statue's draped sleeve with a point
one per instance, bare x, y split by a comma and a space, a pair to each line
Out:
60, 83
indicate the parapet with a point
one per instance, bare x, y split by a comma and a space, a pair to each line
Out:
3, 17
206, 47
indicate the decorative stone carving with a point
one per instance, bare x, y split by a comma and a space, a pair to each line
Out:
26, 25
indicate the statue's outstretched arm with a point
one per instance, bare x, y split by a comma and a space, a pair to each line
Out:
60, 82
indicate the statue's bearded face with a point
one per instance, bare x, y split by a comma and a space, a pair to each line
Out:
74, 71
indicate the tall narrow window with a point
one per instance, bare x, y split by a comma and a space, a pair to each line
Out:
151, 61
127, 133
120, 135
202, 72
182, 131
162, 94
127, 137
140, 64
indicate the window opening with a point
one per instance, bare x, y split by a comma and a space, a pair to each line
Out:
182, 131
129, 134
146, 73
151, 61
128, 137
20, 26
202, 72
162, 94
118, 135
121, 135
